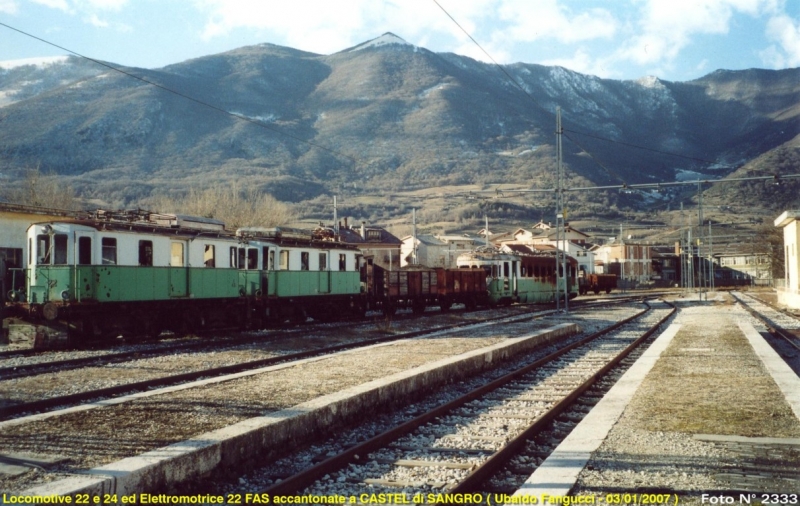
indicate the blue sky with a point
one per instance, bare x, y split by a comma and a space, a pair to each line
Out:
676, 40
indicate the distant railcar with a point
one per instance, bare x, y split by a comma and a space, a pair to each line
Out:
519, 277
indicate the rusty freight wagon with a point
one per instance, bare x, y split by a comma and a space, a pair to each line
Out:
596, 283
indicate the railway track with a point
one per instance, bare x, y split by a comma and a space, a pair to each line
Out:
11, 409
457, 446
49, 362
778, 323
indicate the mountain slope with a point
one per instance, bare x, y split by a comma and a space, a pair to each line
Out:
383, 114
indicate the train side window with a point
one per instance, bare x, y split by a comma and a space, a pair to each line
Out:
304, 261
176, 254
506, 272
209, 256
323, 261
242, 261
234, 263
252, 258
524, 271
146, 253
42, 249
60, 249
284, 260
84, 250
271, 260
342, 262
109, 245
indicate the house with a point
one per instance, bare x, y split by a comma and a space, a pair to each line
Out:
436, 250
375, 243
631, 262
737, 269
573, 241
789, 293
666, 265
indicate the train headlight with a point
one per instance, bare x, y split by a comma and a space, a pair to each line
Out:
65, 295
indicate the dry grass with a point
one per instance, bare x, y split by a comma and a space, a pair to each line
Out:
709, 381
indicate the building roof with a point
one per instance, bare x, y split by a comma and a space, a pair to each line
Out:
787, 217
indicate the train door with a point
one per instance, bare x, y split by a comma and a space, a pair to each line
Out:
514, 276
178, 273
324, 273
268, 267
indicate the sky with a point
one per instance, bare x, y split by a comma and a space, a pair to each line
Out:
675, 40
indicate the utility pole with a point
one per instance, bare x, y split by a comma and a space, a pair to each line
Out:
702, 281
414, 235
559, 214
621, 260
711, 254
335, 218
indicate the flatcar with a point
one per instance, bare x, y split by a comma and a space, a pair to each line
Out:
520, 278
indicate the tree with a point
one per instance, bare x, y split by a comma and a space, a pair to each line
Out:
237, 208
42, 190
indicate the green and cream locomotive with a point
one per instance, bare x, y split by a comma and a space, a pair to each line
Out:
142, 273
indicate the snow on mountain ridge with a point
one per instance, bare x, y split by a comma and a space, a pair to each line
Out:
44, 61
384, 40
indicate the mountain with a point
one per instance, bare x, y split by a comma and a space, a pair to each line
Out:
384, 114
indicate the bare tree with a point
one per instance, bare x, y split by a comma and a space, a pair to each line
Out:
237, 208
42, 190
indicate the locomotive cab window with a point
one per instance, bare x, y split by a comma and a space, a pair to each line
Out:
252, 258
146, 253
109, 250
84, 250
60, 249
304, 261
269, 255
342, 262
209, 256
176, 254
323, 261
42, 249
284, 260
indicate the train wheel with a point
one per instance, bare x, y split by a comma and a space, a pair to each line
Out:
608, 290
471, 304
597, 291
193, 321
389, 310
418, 309
445, 304
298, 316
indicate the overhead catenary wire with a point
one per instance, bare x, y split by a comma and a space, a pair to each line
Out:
185, 96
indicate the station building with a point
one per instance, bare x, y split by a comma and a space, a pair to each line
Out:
789, 293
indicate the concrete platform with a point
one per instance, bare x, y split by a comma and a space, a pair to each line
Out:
632, 465
246, 442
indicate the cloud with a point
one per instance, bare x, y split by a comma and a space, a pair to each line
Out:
584, 63
666, 28
95, 21
783, 30
61, 5
307, 24
9, 6
529, 21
